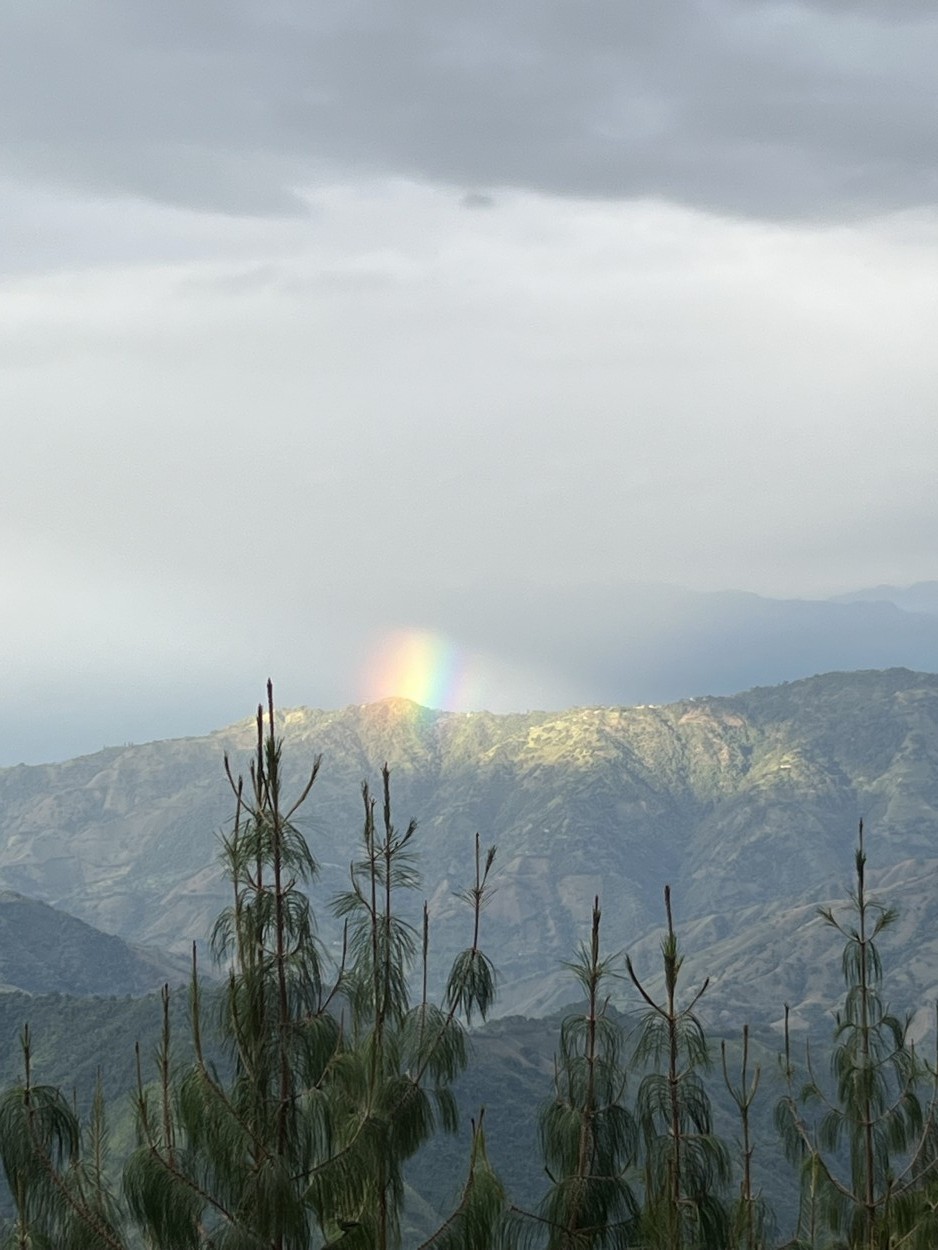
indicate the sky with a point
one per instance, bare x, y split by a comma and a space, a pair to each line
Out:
387, 348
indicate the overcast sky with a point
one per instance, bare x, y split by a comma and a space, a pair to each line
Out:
322, 322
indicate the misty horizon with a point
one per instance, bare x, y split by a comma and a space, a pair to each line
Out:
377, 346
650, 644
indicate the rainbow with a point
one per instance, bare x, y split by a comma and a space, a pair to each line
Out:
417, 664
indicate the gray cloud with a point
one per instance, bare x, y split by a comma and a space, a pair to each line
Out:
774, 110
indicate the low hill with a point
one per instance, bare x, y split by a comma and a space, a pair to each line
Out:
46, 951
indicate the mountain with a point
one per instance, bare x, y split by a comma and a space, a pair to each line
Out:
747, 805
517, 644
643, 642
920, 597
720, 642
46, 951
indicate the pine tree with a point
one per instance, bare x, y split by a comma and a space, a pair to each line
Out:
588, 1137
61, 1195
875, 1115
300, 1140
751, 1220
685, 1165
230, 1163
333, 1088
407, 1056
479, 1218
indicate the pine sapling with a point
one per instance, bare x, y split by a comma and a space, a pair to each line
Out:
750, 1217
588, 1136
685, 1166
875, 1114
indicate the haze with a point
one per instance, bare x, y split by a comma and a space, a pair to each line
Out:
325, 324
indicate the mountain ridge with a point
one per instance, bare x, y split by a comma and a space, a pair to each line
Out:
740, 802
44, 950
583, 644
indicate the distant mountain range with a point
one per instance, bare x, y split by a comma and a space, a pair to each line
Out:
747, 805
920, 597
515, 645
647, 643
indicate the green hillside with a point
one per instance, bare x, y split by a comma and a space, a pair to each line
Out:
46, 951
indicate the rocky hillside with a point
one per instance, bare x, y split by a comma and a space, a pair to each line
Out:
747, 805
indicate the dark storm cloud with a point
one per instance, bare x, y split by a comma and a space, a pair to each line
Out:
773, 110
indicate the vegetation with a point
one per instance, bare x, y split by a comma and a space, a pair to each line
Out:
294, 1121
751, 1219
685, 1167
588, 1136
867, 1149
328, 1088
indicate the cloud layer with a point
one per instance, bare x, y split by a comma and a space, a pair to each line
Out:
323, 322
817, 110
